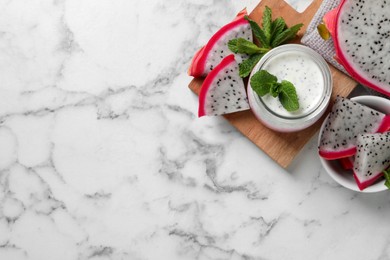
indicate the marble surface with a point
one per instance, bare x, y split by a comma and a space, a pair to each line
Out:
102, 155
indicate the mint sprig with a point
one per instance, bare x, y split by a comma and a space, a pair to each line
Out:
264, 83
274, 33
386, 173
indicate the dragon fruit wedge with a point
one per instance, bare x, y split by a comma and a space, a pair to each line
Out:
347, 162
223, 90
371, 159
360, 30
346, 120
216, 49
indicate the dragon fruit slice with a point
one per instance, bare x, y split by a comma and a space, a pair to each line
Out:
346, 120
361, 35
223, 90
347, 162
216, 49
372, 158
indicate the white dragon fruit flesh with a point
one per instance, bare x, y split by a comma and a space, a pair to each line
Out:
223, 90
209, 56
371, 159
345, 122
360, 31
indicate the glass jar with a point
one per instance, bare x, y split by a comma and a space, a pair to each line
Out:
311, 76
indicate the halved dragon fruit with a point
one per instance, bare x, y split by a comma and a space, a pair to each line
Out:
361, 34
223, 90
372, 158
346, 120
216, 49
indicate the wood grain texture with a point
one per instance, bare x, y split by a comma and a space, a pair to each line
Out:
282, 147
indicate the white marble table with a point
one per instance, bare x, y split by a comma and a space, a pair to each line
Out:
102, 155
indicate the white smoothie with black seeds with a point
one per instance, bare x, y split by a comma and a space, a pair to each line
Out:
301, 70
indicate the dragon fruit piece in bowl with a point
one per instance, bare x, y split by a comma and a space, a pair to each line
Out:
371, 159
341, 128
345, 177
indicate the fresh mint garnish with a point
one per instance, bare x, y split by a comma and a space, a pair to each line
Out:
232, 45
288, 96
273, 34
267, 24
258, 33
264, 83
278, 26
386, 173
275, 90
286, 35
241, 45
247, 65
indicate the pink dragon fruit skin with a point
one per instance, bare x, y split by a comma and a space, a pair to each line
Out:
371, 159
346, 120
360, 32
347, 162
223, 90
216, 49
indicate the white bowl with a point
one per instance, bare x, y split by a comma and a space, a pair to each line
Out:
344, 177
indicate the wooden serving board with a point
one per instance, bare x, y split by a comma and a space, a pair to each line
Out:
282, 147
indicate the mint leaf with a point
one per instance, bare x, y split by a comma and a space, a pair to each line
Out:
247, 65
278, 26
286, 35
267, 23
288, 96
387, 178
258, 33
262, 82
245, 46
232, 45
242, 45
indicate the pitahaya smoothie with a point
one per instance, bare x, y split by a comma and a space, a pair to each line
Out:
312, 79
301, 70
